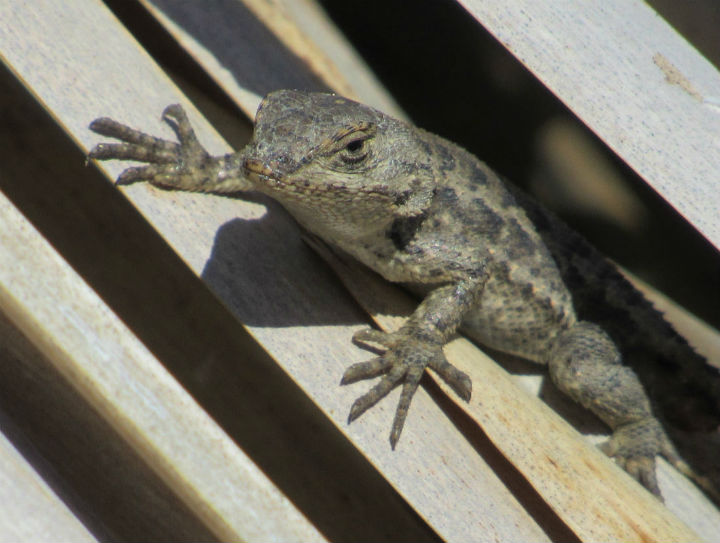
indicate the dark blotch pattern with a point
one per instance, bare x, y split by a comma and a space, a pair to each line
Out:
447, 160
447, 196
523, 245
488, 222
477, 175
404, 229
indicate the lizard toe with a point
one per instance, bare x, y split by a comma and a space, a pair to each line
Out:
364, 339
376, 393
643, 470
176, 117
458, 380
365, 370
158, 174
404, 359
408, 391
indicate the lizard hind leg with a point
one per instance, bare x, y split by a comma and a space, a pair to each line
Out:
585, 364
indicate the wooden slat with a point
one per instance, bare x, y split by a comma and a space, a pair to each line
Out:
634, 81
97, 474
30, 510
107, 242
116, 374
339, 353
260, 268
703, 337
298, 25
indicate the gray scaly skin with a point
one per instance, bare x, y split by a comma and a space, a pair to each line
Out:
427, 214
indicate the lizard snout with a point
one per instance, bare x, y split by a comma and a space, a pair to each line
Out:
253, 168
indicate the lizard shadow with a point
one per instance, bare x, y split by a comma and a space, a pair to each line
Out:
290, 285
276, 285
269, 277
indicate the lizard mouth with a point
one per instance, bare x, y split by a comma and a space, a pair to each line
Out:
256, 170
269, 180
264, 176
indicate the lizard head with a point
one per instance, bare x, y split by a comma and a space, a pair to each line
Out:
344, 170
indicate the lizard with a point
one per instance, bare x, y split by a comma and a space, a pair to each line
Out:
483, 256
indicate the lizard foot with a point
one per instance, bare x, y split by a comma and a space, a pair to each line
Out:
405, 355
173, 165
634, 447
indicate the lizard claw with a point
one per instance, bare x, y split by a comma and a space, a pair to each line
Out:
175, 116
456, 379
403, 361
411, 375
634, 447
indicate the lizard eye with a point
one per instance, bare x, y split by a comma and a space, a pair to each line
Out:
351, 146
354, 151
354, 146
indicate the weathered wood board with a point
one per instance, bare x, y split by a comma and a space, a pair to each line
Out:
265, 275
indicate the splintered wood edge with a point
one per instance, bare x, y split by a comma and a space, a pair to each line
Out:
704, 338
247, 100
116, 374
341, 69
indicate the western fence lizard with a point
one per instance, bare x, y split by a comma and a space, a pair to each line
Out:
485, 258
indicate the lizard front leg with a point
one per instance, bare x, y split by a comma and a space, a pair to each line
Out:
182, 166
417, 345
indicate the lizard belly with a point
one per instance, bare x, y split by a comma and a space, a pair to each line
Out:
510, 320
